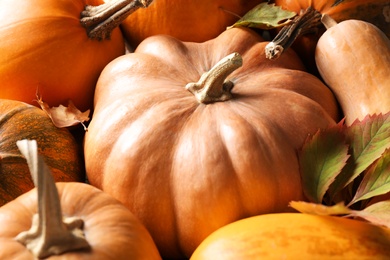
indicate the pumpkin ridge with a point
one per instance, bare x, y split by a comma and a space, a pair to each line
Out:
4, 117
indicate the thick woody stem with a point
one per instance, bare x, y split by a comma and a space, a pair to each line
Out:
50, 233
307, 21
101, 20
212, 85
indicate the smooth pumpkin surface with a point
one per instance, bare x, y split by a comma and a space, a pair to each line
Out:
18, 121
353, 58
373, 11
186, 168
186, 20
44, 47
111, 229
296, 236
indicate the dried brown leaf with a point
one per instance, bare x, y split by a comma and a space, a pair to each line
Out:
64, 116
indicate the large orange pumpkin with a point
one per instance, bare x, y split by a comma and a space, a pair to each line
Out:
19, 120
186, 167
44, 47
372, 11
186, 20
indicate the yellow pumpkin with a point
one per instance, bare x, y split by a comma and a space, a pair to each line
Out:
296, 236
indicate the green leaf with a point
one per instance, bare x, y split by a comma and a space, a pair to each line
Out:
376, 180
321, 159
319, 209
368, 140
378, 213
265, 16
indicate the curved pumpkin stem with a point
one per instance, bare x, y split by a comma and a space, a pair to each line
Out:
101, 20
49, 234
307, 21
212, 85
328, 21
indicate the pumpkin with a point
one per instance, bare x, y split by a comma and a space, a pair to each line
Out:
45, 48
373, 11
193, 136
186, 20
296, 236
362, 90
62, 153
69, 221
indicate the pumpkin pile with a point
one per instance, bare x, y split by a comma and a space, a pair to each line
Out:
202, 129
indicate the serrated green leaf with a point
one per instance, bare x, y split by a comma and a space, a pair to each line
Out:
368, 140
319, 209
378, 213
321, 159
376, 180
265, 16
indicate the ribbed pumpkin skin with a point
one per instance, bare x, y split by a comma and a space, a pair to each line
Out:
185, 168
110, 228
296, 236
45, 47
372, 11
18, 121
186, 20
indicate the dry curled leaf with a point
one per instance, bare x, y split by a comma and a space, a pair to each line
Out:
64, 116
319, 209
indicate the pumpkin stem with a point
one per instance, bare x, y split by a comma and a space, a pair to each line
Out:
49, 234
101, 20
212, 85
328, 21
307, 21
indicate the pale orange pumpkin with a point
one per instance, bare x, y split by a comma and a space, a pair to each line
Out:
44, 47
362, 91
69, 221
186, 159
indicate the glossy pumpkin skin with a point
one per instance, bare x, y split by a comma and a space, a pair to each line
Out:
372, 11
361, 92
185, 168
296, 236
186, 20
18, 121
44, 47
111, 229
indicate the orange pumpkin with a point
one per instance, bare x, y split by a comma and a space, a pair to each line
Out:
186, 20
109, 227
69, 221
188, 157
372, 11
44, 47
296, 236
19, 120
